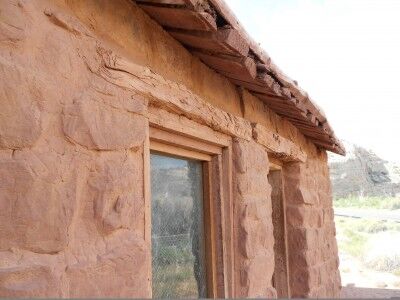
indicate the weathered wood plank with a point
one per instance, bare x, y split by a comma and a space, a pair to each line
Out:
281, 273
287, 112
279, 101
160, 118
178, 151
180, 18
266, 79
225, 41
271, 80
164, 2
221, 7
181, 140
171, 96
252, 86
265, 61
164, 95
337, 148
242, 67
305, 126
279, 146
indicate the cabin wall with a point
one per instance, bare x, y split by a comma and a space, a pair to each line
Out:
74, 134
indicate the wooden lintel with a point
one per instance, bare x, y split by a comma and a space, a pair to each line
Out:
172, 122
279, 146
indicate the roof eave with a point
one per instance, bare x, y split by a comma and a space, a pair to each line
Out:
211, 31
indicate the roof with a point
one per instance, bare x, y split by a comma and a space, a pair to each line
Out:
209, 30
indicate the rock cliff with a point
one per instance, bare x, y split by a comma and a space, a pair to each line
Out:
363, 173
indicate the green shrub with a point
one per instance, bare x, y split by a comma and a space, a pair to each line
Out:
171, 254
355, 243
368, 202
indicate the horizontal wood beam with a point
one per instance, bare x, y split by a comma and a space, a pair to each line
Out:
181, 140
225, 41
180, 18
168, 100
238, 67
164, 2
172, 122
177, 151
280, 147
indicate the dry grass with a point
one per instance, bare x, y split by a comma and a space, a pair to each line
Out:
360, 239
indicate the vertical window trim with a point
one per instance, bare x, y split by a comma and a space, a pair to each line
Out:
218, 206
276, 166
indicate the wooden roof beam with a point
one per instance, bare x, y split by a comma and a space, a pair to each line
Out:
224, 41
180, 17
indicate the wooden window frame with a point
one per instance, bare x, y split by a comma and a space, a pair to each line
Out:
215, 153
283, 280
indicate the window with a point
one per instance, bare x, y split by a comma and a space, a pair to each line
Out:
191, 215
178, 245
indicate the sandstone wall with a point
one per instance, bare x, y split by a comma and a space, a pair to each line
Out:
73, 148
313, 257
254, 263
71, 164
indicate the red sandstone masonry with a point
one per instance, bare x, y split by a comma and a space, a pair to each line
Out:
254, 232
311, 230
72, 142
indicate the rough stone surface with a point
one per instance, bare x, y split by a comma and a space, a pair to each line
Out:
363, 173
71, 163
92, 125
313, 257
254, 232
20, 116
77, 78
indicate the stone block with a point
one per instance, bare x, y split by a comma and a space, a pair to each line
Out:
249, 156
122, 271
13, 22
257, 275
24, 274
303, 216
29, 282
302, 239
35, 213
94, 125
115, 191
20, 116
255, 262
299, 283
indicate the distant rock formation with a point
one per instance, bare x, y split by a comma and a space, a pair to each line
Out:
363, 173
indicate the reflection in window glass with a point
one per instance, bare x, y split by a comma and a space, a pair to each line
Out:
177, 228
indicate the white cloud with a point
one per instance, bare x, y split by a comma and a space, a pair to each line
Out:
346, 54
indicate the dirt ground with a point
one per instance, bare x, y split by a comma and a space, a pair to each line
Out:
359, 292
368, 252
361, 282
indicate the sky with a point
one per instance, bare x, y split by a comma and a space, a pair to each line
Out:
345, 54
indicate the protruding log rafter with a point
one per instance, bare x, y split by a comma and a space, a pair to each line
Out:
210, 31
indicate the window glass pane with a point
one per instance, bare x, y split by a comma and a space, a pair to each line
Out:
177, 228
